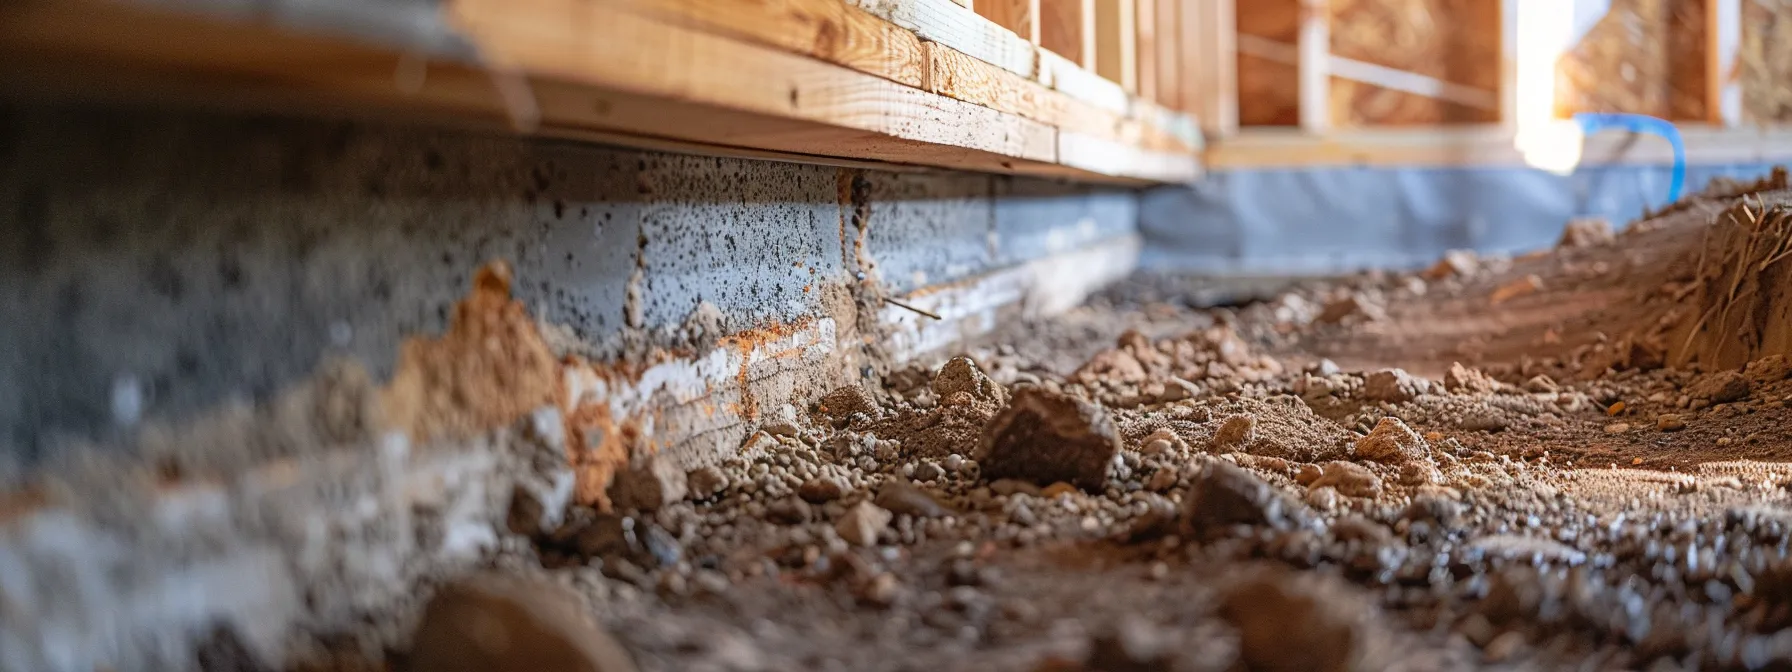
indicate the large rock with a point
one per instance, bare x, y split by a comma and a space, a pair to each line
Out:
1044, 437
505, 624
1393, 385
1392, 441
961, 375
649, 483
1290, 622
1223, 495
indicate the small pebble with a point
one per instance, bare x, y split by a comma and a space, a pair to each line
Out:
1617, 428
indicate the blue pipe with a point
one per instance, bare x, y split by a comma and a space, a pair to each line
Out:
1593, 122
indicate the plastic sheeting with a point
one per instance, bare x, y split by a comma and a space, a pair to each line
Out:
1338, 219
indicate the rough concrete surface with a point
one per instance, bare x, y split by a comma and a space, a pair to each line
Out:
206, 451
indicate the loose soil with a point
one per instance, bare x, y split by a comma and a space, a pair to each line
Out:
1543, 462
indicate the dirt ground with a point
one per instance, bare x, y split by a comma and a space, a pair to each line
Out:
1555, 461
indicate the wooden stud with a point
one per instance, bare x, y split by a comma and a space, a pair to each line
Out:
1015, 15
1145, 14
1116, 49
1061, 27
1723, 36
1315, 66
1167, 63
1210, 62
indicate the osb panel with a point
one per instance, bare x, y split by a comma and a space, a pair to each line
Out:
1764, 61
1268, 91
1643, 56
1457, 41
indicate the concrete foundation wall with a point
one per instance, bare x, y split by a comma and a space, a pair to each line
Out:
189, 465
155, 264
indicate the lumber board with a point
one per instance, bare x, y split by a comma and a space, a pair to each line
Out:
830, 30
1488, 145
1114, 158
1061, 74
948, 23
570, 68
577, 41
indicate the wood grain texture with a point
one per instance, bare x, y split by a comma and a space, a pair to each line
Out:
957, 27
1061, 28
1018, 16
1114, 158
1268, 92
563, 68
830, 30
1166, 56
1077, 82
1483, 146
1116, 48
1145, 41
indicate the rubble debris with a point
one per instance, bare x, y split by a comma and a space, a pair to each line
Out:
839, 406
509, 624
1722, 387
705, 482
1045, 437
1223, 495
1454, 264
906, 500
1348, 306
1586, 232
1463, 380
1234, 433
961, 375
863, 523
1524, 286
1348, 479
650, 482
1394, 386
1392, 441
1283, 623
821, 490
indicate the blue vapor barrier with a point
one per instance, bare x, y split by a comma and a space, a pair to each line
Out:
1344, 218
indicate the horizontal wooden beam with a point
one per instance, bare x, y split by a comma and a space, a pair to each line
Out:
1490, 146
738, 77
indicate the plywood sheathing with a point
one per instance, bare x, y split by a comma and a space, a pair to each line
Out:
1643, 57
1456, 41
1268, 93
1764, 62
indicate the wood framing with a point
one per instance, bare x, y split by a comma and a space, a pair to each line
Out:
1066, 28
1116, 46
1209, 64
1166, 62
1019, 16
1485, 146
1145, 45
708, 75
1723, 96
1315, 66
